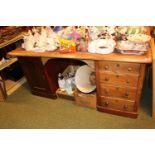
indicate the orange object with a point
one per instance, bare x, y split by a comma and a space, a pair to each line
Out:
69, 49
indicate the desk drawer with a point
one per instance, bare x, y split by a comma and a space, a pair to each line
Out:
117, 104
118, 91
119, 67
121, 79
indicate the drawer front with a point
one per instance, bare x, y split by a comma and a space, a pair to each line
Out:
117, 91
119, 67
121, 79
117, 104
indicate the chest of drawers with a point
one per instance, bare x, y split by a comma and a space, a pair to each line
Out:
119, 86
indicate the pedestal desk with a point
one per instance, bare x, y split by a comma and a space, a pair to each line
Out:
119, 78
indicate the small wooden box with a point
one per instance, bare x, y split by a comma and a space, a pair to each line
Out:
85, 100
64, 95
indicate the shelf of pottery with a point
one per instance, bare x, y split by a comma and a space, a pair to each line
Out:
11, 76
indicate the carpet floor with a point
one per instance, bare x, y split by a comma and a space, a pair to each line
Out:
24, 110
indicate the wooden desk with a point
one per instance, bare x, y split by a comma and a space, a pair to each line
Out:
119, 78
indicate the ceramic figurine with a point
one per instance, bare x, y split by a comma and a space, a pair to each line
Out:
82, 46
82, 30
46, 40
36, 34
111, 29
68, 86
50, 44
42, 39
94, 32
29, 42
65, 33
75, 35
61, 82
49, 32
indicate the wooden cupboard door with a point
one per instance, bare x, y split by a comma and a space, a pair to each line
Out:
34, 72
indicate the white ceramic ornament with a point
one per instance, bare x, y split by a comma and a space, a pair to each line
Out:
102, 46
29, 42
41, 43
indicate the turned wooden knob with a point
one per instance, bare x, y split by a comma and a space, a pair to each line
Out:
117, 88
129, 69
127, 81
106, 67
117, 65
106, 103
106, 79
126, 94
117, 76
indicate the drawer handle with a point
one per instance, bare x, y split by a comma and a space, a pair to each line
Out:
117, 76
106, 79
126, 94
125, 107
118, 65
106, 103
127, 81
129, 69
117, 88
106, 67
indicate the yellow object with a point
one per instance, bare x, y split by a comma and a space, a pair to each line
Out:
82, 30
65, 42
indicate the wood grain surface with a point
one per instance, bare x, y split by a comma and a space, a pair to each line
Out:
146, 58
